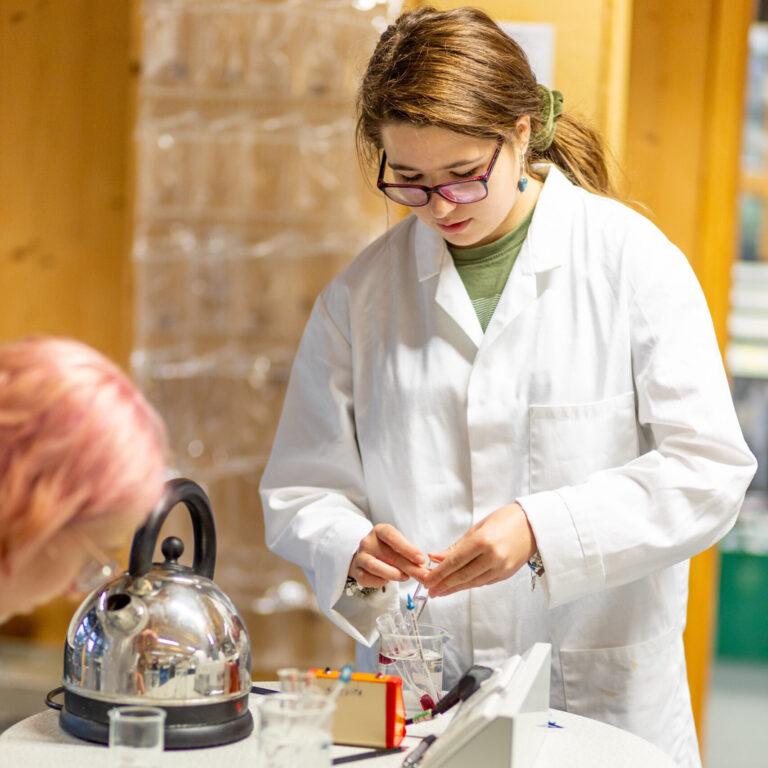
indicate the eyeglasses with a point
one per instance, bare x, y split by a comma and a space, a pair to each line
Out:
98, 567
414, 195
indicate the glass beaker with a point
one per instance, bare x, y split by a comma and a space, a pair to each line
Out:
294, 680
296, 730
136, 737
400, 654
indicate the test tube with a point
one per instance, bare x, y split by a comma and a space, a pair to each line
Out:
420, 595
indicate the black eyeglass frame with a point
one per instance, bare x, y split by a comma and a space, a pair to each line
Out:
483, 179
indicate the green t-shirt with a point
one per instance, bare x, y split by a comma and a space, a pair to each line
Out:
484, 270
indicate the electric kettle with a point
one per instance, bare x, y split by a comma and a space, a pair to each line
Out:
161, 634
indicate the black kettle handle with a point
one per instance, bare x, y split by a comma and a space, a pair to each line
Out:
144, 540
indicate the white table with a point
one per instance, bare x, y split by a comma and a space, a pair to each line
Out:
38, 742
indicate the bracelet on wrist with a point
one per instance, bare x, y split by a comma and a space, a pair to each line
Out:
537, 568
353, 589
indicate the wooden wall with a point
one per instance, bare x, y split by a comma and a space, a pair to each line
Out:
64, 140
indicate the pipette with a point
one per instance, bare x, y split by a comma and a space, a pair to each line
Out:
419, 601
420, 595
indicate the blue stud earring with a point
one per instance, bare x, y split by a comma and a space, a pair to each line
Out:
522, 182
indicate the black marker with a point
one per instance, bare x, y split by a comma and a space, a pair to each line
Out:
365, 755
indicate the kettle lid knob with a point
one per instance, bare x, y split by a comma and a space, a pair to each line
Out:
172, 549
193, 497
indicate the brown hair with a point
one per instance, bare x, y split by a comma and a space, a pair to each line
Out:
460, 71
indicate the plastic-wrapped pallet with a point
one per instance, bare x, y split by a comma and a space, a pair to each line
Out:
249, 198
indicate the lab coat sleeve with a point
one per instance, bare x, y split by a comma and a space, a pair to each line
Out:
312, 490
679, 498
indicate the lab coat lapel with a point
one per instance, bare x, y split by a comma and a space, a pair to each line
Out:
452, 296
542, 251
518, 293
434, 260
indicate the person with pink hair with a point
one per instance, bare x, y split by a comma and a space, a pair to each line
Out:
82, 463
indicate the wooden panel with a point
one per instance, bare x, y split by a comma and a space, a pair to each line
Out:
670, 45
64, 77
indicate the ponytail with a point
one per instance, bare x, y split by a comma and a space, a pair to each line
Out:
578, 150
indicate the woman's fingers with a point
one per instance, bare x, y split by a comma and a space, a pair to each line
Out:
456, 557
385, 555
396, 550
476, 574
464, 563
405, 566
394, 539
371, 567
491, 550
365, 579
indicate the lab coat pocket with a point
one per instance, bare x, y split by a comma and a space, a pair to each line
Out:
637, 687
570, 442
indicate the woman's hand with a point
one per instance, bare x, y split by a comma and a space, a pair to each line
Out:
490, 551
386, 555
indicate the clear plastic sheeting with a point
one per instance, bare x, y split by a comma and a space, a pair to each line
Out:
249, 198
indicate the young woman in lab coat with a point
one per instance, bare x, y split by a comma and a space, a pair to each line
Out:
519, 378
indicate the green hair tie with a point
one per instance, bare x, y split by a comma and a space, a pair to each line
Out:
551, 109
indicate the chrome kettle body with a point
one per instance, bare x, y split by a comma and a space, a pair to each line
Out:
162, 634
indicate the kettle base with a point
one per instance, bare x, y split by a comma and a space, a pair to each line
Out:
187, 726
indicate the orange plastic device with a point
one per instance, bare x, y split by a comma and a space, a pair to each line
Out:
369, 710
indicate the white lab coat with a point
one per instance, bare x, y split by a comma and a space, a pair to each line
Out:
596, 398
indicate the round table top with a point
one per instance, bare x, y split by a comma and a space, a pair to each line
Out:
38, 741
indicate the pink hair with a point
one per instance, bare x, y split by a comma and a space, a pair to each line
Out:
77, 441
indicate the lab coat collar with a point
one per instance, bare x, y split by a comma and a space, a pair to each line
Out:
547, 236
544, 249
550, 230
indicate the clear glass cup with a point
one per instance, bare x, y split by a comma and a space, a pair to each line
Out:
294, 680
136, 737
296, 730
419, 662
